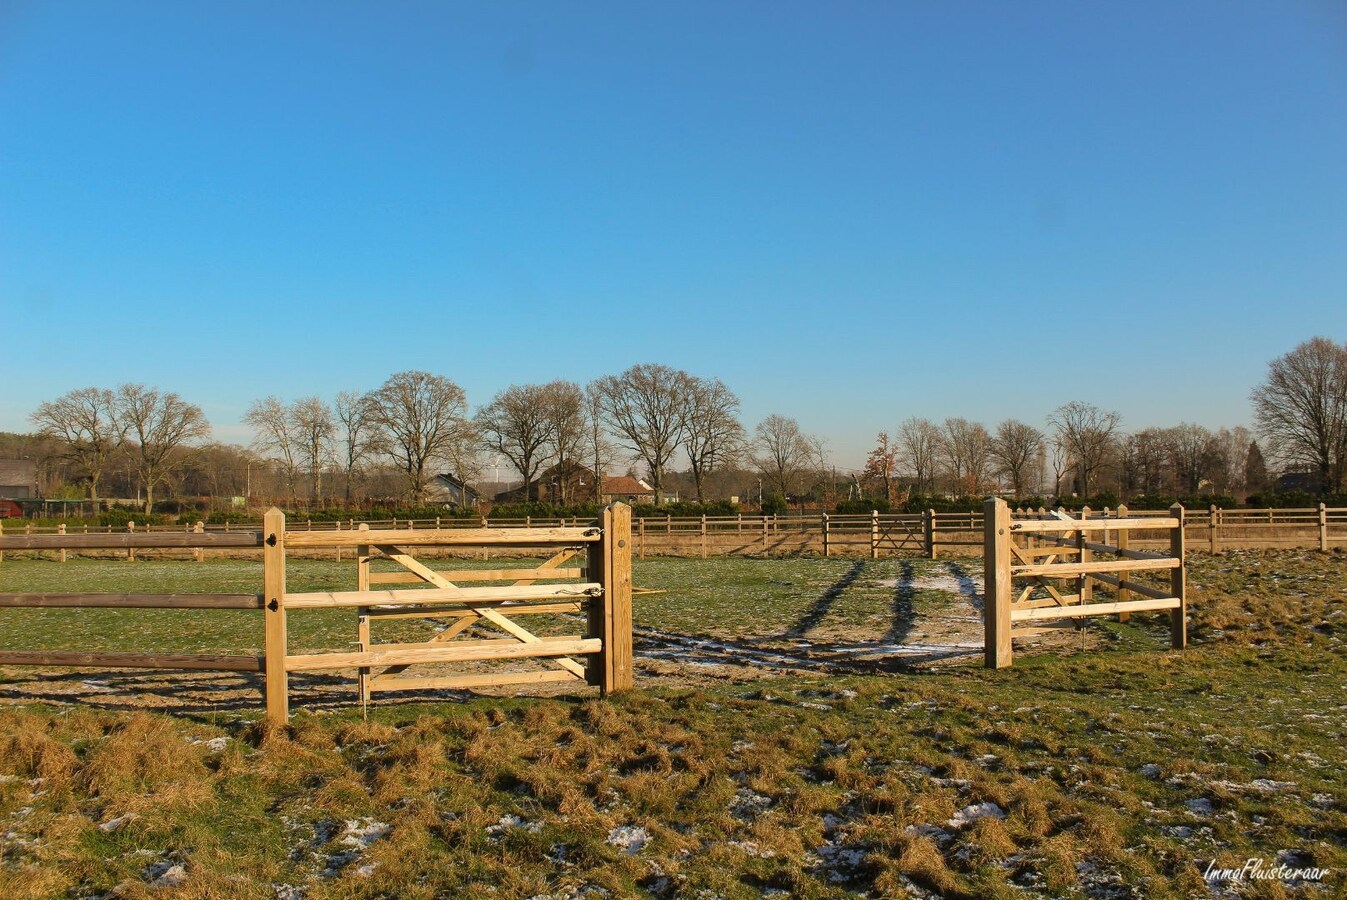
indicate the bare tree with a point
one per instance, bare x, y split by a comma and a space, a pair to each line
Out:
647, 407
515, 424
597, 439
713, 436
966, 446
86, 422
1016, 450
1145, 459
276, 437
1301, 410
782, 452
567, 429
1088, 435
314, 428
425, 419
161, 424
1059, 457
918, 447
359, 434
1194, 455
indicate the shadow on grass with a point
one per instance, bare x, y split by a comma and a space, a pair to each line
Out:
821, 606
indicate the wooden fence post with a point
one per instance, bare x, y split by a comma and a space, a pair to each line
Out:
609, 616
874, 534
1178, 586
996, 538
1084, 586
703, 537
642, 537
273, 598
199, 528
131, 552
1212, 520
362, 634
929, 526
1124, 595
1323, 527
60, 529
827, 551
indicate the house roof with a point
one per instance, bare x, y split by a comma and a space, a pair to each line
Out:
625, 484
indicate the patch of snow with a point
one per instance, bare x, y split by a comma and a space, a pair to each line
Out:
971, 813
360, 833
629, 839
509, 822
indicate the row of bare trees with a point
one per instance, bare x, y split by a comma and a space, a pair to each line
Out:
1081, 450
147, 426
657, 417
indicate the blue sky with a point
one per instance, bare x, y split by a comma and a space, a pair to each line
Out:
852, 213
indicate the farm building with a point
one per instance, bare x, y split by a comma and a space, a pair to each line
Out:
575, 484
18, 479
449, 489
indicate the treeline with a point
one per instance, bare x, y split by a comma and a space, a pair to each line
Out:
686, 435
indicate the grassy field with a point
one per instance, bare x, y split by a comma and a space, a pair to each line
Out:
1116, 772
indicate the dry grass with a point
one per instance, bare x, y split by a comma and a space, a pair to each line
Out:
1114, 773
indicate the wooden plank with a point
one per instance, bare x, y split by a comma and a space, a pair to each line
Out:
461, 651
132, 601
212, 662
1035, 526
424, 596
477, 575
363, 635
1092, 609
453, 537
996, 613
552, 565
415, 566
1065, 570
512, 607
1029, 553
1058, 600
1135, 587
1178, 583
438, 641
127, 540
273, 593
543, 676
617, 599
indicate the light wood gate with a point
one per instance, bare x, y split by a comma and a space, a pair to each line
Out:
1030, 589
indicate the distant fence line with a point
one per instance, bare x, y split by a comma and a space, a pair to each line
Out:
930, 534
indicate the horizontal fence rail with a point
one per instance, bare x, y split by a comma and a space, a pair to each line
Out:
928, 533
598, 593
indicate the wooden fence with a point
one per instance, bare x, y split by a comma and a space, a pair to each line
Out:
928, 534
1028, 548
601, 590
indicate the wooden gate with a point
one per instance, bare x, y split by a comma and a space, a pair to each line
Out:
600, 589
1031, 551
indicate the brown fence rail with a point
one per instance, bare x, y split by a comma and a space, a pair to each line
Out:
600, 590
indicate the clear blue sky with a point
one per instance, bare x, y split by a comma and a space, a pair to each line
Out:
852, 213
